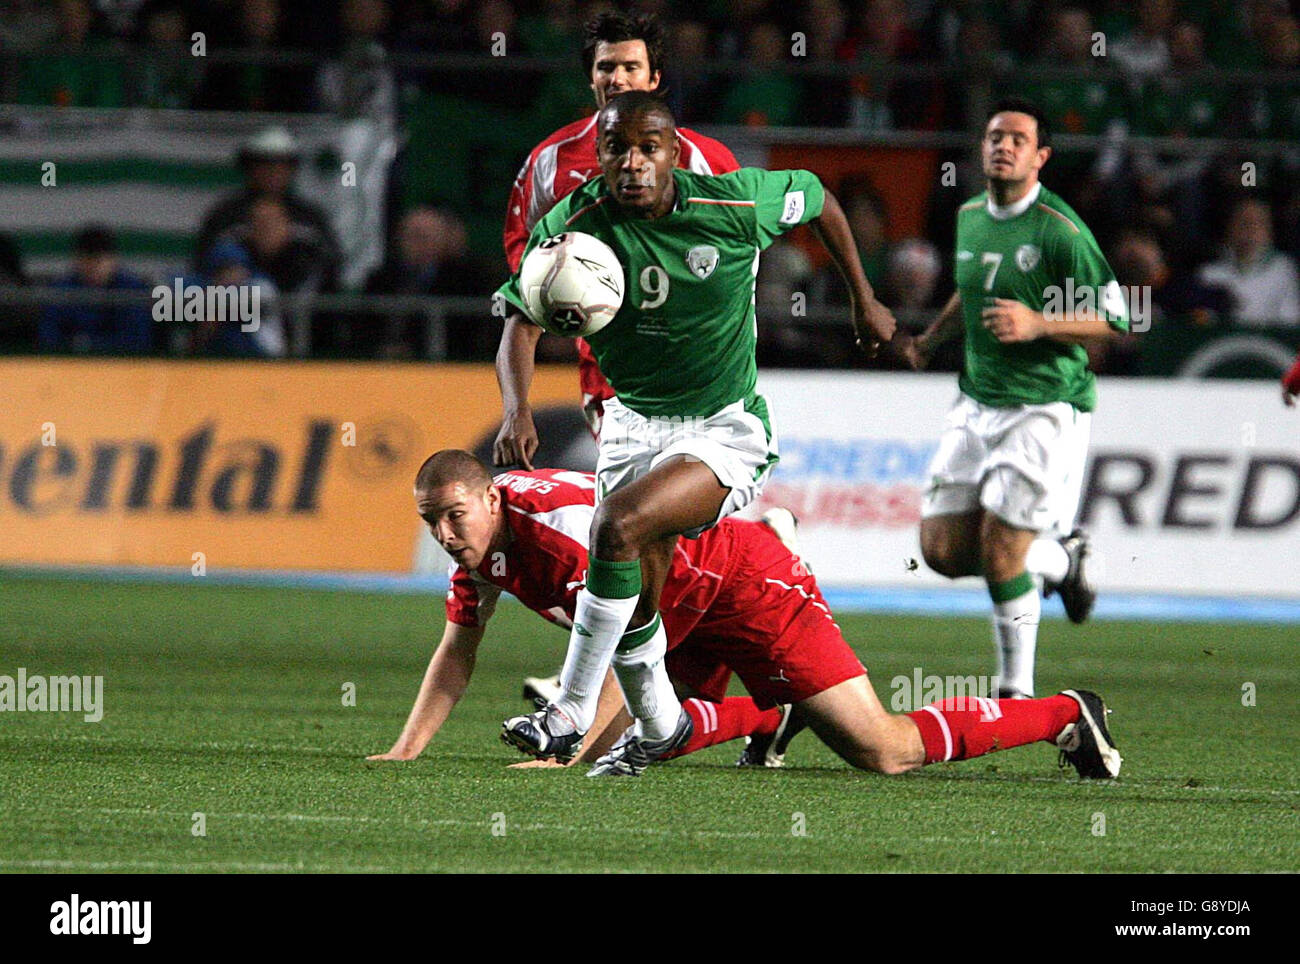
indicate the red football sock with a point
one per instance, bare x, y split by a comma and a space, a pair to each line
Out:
965, 727
734, 717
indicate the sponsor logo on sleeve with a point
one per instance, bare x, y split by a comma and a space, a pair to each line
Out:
794, 207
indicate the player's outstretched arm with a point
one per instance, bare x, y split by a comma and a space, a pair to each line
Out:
873, 323
444, 684
517, 441
942, 330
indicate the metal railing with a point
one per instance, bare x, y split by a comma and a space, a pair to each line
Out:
298, 311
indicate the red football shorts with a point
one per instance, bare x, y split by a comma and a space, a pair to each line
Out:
770, 625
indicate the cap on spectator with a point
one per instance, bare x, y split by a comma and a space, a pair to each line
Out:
270, 143
223, 254
95, 239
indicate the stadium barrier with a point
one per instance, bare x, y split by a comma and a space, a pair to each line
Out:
295, 466
1192, 488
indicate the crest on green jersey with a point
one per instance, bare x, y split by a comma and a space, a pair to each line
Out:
1027, 257
702, 259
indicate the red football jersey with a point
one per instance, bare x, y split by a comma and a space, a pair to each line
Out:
558, 165
549, 513
567, 159
1291, 380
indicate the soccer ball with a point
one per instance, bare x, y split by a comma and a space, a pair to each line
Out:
572, 284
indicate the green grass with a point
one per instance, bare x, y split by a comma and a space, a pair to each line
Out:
227, 701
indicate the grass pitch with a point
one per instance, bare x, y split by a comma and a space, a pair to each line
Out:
228, 702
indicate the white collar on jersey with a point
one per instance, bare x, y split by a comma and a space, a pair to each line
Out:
1002, 212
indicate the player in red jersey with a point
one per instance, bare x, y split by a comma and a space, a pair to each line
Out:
620, 52
1291, 384
736, 599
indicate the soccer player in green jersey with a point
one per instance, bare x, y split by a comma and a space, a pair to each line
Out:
1032, 288
688, 439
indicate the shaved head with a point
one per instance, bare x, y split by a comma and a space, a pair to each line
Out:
449, 467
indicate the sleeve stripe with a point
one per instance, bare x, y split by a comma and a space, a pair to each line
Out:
1073, 226
581, 211
571, 521
540, 199
710, 200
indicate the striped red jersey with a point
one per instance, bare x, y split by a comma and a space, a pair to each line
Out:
549, 512
567, 159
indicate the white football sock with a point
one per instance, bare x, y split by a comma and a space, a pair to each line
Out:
598, 625
1015, 634
643, 677
1048, 558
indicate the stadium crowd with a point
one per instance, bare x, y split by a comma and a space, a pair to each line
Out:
1215, 248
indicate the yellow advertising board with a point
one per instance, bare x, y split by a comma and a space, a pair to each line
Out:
280, 465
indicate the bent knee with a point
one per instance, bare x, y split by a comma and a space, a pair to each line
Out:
942, 554
878, 761
615, 529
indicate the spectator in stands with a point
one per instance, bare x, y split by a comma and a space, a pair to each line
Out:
1144, 52
782, 296
80, 73
867, 216
825, 24
431, 258
688, 89
767, 97
257, 86
97, 328
1176, 102
293, 255
444, 26
1275, 109
1075, 106
1181, 308
168, 75
911, 283
268, 163
880, 37
360, 82
17, 330
229, 264
736, 24
1263, 280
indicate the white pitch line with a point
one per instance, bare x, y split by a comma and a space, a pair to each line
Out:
485, 823
172, 865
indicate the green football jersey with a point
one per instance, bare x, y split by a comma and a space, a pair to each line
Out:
1046, 258
683, 342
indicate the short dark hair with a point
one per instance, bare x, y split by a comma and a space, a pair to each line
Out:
95, 239
1019, 105
637, 102
614, 27
450, 466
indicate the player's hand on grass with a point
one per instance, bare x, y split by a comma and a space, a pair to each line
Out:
873, 323
517, 441
534, 764
1010, 321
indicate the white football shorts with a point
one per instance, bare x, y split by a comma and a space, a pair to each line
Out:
1024, 464
734, 444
